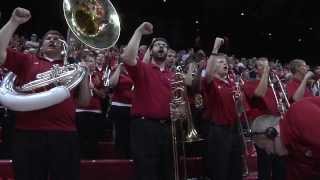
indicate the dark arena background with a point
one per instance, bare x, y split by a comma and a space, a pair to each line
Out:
283, 29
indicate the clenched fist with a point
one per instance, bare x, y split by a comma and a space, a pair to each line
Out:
145, 28
20, 15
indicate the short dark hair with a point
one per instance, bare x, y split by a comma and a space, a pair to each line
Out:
158, 39
55, 32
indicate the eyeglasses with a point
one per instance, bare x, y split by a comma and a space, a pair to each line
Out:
160, 44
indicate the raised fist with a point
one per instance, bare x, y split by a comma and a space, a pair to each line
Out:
219, 41
20, 15
217, 44
146, 28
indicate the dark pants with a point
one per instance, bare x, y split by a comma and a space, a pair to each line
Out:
225, 150
7, 123
39, 155
270, 165
151, 149
120, 116
91, 127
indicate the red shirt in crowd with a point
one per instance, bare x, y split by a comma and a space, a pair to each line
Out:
293, 85
123, 90
95, 101
264, 105
300, 133
59, 117
220, 100
152, 91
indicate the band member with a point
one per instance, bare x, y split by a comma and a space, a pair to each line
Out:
45, 143
224, 141
297, 88
122, 86
301, 136
150, 128
260, 95
90, 119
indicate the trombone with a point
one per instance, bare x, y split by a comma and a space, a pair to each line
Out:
241, 112
179, 100
281, 98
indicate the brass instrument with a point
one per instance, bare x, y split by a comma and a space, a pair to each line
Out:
281, 98
96, 24
180, 112
106, 76
241, 112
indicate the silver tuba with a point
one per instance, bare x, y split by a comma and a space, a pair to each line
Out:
93, 22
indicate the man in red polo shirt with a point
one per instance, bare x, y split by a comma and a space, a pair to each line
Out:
301, 136
150, 130
224, 140
260, 95
297, 88
46, 142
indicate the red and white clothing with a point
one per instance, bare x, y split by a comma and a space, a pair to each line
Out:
221, 103
122, 95
95, 104
152, 91
59, 117
266, 104
293, 85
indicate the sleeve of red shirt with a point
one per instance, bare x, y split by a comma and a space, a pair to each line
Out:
16, 62
135, 71
290, 91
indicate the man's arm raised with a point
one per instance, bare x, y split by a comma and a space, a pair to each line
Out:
131, 51
211, 64
19, 16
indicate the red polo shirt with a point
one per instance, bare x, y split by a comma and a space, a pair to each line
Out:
123, 91
220, 98
95, 101
266, 104
293, 85
206, 115
58, 117
152, 91
300, 133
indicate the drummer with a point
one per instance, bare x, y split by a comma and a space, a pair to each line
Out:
260, 95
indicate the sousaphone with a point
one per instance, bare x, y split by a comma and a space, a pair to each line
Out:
96, 24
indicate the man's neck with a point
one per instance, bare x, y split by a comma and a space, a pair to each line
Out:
298, 76
51, 58
221, 77
160, 64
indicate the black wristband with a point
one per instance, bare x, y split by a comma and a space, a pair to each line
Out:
214, 54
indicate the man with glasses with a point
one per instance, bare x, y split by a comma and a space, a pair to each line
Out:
150, 126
